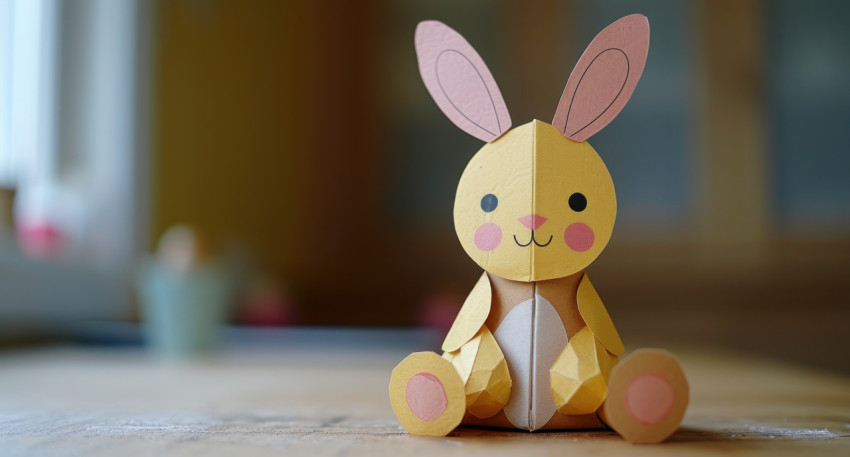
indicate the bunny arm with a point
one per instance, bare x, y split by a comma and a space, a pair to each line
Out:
473, 351
483, 369
472, 315
597, 318
579, 377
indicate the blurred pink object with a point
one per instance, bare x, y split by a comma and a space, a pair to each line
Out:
266, 303
41, 240
439, 311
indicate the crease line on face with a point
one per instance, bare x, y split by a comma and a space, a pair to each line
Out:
533, 196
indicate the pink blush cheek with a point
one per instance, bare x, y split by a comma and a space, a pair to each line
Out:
488, 237
579, 237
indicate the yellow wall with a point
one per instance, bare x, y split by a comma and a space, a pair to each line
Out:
267, 129
231, 99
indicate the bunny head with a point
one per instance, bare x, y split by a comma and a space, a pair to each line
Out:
536, 202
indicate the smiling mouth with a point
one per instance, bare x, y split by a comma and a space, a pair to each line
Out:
532, 240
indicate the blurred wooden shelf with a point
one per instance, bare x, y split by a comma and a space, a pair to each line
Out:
321, 392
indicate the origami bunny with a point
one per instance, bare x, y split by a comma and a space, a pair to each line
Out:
533, 346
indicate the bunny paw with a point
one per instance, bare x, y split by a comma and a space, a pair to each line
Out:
647, 396
427, 394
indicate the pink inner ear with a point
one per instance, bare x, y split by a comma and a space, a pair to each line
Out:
459, 82
603, 81
604, 78
466, 91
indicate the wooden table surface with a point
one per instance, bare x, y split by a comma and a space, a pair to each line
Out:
322, 392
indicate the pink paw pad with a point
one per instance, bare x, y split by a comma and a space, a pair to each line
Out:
649, 398
426, 396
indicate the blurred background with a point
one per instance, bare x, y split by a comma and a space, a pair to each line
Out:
299, 143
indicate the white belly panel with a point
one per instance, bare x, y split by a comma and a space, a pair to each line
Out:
531, 337
514, 338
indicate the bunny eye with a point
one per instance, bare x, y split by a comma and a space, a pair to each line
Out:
578, 202
489, 202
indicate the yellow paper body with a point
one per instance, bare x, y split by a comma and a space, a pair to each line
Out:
484, 372
597, 318
580, 375
472, 315
533, 169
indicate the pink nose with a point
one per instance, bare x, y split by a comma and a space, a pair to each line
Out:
532, 221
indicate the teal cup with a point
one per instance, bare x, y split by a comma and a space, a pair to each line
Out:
183, 313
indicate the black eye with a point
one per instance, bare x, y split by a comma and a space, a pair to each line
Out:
577, 202
489, 202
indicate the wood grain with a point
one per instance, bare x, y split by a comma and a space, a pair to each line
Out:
282, 396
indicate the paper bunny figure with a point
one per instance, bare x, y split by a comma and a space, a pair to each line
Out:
533, 346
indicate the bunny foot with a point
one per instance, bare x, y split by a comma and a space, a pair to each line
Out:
427, 395
647, 396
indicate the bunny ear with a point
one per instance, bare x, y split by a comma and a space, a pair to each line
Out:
460, 82
604, 78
